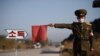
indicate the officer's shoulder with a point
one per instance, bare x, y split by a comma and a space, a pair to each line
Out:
74, 22
88, 23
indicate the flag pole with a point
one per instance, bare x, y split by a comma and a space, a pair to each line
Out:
16, 47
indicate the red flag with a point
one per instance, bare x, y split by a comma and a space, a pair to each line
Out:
35, 30
43, 33
39, 33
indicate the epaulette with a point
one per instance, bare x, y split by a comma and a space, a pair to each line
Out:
88, 23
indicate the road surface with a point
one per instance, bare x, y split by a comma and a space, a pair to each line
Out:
50, 51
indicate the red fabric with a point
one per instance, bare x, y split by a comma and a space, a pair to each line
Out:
43, 33
39, 33
35, 30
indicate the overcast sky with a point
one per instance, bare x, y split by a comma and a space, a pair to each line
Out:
22, 14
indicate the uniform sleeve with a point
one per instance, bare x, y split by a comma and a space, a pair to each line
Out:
68, 26
91, 42
91, 37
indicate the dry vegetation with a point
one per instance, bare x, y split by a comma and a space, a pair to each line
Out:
10, 44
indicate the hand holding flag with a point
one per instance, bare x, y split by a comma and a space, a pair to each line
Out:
51, 25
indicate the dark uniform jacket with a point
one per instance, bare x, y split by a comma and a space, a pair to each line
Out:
81, 32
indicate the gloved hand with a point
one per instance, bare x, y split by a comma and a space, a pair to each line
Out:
51, 25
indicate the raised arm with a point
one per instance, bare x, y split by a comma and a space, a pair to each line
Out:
68, 26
